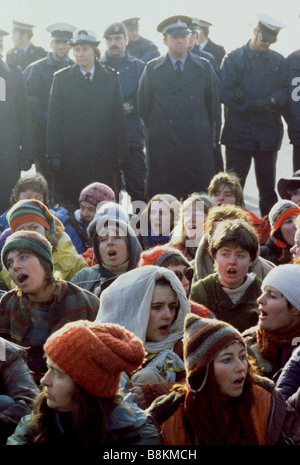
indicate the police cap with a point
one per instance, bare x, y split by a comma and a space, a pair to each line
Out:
84, 36
2, 35
113, 29
61, 31
269, 27
131, 23
176, 26
22, 26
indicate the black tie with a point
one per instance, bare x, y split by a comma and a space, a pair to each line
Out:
178, 67
88, 77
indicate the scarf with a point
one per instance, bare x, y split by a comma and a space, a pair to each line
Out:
270, 343
117, 270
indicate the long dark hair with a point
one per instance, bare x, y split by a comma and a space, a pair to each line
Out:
88, 422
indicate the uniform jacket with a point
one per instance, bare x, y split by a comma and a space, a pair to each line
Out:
282, 425
203, 54
86, 129
216, 50
17, 383
33, 53
130, 70
293, 111
242, 315
181, 117
38, 77
143, 49
288, 382
15, 129
245, 77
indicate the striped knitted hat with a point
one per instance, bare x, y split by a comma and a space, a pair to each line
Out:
203, 340
280, 211
30, 210
97, 192
95, 354
29, 240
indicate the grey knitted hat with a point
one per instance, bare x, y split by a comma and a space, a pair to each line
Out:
285, 279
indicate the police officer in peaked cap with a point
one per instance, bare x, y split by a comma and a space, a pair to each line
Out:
139, 46
24, 51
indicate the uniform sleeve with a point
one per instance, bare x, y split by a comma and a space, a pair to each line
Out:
121, 143
145, 95
54, 122
233, 94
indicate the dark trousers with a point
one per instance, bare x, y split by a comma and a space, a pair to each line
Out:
239, 161
135, 173
296, 158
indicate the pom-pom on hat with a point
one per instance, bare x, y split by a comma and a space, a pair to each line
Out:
96, 192
280, 211
29, 240
203, 340
285, 279
95, 354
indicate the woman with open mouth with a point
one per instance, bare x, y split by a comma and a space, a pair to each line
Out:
223, 401
116, 249
41, 302
151, 302
271, 343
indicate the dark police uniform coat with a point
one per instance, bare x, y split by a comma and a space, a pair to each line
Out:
143, 49
218, 51
33, 53
15, 130
86, 130
180, 116
245, 77
38, 77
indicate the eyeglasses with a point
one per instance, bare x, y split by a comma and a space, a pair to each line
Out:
188, 273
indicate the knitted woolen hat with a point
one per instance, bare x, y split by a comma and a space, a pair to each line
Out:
203, 339
29, 240
285, 279
280, 211
158, 254
97, 192
95, 354
31, 210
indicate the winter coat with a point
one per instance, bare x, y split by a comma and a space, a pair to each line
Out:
15, 129
70, 303
292, 115
86, 131
33, 53
181, 115
130, 70
282, 422
245, 77
216, 50
17, 387
203, 54
38, 77
277, 255
288, 382
241, 315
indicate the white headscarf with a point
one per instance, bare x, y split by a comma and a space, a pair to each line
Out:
127, 301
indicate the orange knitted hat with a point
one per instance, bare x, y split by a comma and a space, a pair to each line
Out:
157, 255
95, 354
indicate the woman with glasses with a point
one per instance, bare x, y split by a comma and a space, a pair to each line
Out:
150, 302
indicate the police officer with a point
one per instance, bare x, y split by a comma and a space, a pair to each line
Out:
254, 91
15, 130
24, 51
137, 45
130, 70
38, 77
179, 104
206, 44
195, 48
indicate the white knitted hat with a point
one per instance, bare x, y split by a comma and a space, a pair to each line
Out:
285, 279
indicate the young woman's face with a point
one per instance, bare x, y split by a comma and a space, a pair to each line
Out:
87, 210
193, 220
84, 56
230, 369
232, 265
162, 313
296, 247
288, 230
60, 389
27, 273
275, 314
113, 249
160, 218
180, 270
32, 226
224, 196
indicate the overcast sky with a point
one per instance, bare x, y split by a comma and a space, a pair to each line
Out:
233, 20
